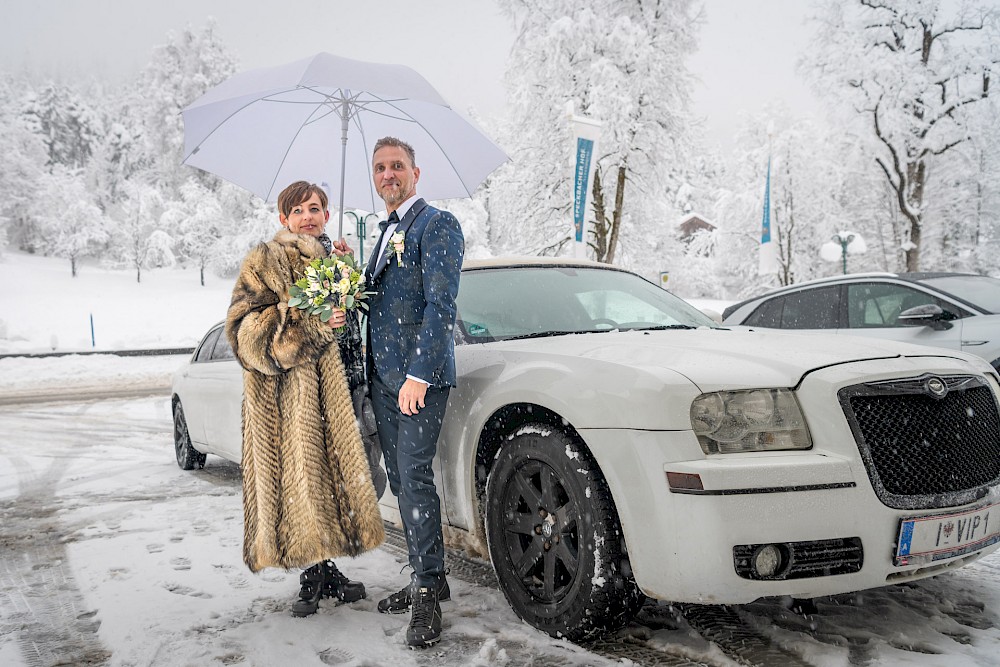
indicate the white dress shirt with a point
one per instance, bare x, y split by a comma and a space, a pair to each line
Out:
403, 209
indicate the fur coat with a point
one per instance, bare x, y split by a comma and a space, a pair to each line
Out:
307, 488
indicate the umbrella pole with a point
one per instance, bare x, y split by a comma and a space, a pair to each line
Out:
343, 162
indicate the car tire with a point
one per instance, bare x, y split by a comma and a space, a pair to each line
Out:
187, 456
555, 539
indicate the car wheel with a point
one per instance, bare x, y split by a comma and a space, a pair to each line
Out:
555, 539
187, 456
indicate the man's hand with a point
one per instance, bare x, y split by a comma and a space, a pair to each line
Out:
340, 248
411, 396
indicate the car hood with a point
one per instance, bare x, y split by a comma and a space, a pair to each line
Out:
715, 359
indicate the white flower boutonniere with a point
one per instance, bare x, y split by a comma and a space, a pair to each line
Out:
397, 246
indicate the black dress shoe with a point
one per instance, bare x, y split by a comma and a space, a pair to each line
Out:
399, 602
425, 619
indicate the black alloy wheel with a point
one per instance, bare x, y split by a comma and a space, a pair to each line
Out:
555, 539
187, 456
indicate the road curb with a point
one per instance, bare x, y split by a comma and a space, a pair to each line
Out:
162, 352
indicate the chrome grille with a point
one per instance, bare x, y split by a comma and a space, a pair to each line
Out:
931, 441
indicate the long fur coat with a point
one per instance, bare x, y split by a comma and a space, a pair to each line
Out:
307, 488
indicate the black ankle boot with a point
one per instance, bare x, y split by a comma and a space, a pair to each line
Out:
336, 585
313, 583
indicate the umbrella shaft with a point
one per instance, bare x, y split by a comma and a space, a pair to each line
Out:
344, 117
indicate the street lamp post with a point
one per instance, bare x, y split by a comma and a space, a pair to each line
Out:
844, 239
361, 223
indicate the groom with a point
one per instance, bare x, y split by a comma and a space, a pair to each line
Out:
411, 368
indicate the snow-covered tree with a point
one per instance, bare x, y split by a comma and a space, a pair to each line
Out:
72, 224
23, 156
913, 70
179, 72
196, 220
136, 241
623, 64
248, 221
67, 124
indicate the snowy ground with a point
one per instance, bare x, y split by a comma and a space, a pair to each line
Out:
110, 553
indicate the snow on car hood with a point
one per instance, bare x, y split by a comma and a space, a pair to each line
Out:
716, 359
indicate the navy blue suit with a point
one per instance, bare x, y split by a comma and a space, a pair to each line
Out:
411, 321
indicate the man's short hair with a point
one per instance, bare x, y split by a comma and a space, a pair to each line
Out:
397, 143
298, 192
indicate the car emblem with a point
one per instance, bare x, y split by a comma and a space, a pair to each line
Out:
936, 387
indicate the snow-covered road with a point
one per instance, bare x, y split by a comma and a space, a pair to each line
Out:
109, 553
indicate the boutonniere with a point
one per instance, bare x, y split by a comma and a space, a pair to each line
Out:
397, 245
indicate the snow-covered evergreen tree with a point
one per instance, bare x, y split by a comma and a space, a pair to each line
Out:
179, 72
23, 156
67, 124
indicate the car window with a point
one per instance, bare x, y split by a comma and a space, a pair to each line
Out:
806, 309
873, 305
222, 349
812, 309
518, 301
981, 291
768, 314
208, 345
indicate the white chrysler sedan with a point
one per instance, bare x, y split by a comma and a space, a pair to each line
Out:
607, 441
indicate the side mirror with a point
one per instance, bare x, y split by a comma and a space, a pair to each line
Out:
712, 315
928, 315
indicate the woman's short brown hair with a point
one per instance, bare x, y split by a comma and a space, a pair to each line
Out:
298, 192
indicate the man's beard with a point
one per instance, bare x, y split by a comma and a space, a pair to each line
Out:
392, 195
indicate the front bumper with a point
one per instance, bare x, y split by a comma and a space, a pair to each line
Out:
681, 545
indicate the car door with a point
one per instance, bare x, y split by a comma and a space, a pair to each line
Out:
222, 393
873, 309
192, 398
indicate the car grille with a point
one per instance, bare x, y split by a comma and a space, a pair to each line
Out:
924, 450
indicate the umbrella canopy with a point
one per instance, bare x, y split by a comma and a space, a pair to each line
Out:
318, 119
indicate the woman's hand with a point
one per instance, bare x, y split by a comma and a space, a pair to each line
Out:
338, 319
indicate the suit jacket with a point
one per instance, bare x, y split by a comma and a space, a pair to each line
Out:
411, 316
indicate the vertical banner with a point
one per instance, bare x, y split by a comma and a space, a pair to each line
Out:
585, 133
768, 250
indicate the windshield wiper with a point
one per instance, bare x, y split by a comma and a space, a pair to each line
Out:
661, 327
545, 334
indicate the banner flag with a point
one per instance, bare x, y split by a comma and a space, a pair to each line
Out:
585, 133
768, 263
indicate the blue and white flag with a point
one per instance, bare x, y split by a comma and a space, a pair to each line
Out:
768, 248
585, 133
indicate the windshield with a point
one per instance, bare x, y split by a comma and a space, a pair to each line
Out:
982, 292
499, 304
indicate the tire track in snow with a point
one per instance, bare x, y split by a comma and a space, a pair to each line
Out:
40, 602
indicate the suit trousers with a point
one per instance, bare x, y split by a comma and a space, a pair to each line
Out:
409, 443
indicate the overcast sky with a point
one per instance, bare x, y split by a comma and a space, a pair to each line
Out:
746, 59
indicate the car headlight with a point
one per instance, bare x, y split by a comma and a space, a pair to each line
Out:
753, 420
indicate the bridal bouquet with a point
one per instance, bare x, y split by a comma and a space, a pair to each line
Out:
329, 283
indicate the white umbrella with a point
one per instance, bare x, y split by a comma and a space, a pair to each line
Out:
268, 127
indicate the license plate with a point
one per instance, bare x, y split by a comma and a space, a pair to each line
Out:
926, 539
